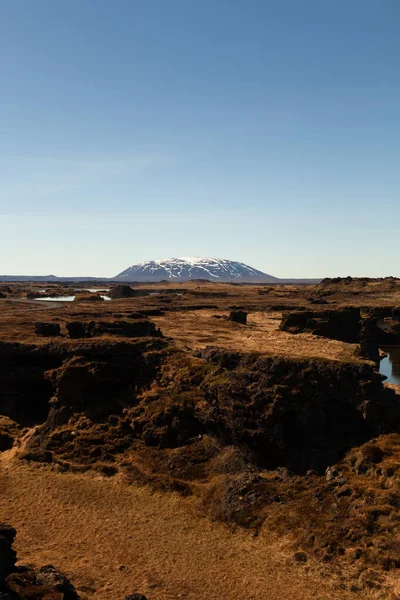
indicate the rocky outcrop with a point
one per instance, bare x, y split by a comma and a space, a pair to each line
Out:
30, 374
126, 291
27, 583
300, 414
47, 329
95, 380
129, 329
9, 430
297, 414
260, 430
44, 583
370, 335
343, 324
238, 316
25, 391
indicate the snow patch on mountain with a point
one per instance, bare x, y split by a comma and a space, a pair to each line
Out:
193, 267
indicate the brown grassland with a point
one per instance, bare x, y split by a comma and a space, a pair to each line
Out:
209, 459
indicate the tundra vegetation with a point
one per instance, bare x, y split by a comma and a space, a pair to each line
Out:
199, 440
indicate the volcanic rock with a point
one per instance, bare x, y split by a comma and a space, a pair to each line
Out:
44, 583
25, 392
238, 316
47, 329
343, 324
300, 414
369, 339
131, 329
125, 291
8, 556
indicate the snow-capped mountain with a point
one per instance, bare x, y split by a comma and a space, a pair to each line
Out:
186, 268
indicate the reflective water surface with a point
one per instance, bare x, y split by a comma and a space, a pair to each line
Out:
64, 299
390, 365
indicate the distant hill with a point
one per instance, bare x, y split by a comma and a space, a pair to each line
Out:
50, 278
188, 268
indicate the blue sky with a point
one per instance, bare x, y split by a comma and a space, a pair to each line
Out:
264, 131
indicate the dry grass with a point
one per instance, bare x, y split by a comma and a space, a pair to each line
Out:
198, 329
190, 329
112, 540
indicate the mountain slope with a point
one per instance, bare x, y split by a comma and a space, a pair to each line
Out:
186, 268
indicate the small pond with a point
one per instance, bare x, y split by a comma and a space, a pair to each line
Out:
390, 365
64, 299
92, 290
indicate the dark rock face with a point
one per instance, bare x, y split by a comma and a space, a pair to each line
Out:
343, 325
95, 379
112, 371
3, 295
28, 583
125, 291
81, 329
95, 386
238, 316
45, 582
8, 556
302, 414
9, 431
370, 336
6, 441
25, 392
297, 414
47, 329
131, 329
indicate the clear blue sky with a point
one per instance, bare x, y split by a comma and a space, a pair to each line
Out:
266, 131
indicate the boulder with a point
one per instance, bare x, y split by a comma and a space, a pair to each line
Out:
49, 577
238, 316
47, 329
27, 583
45, 583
